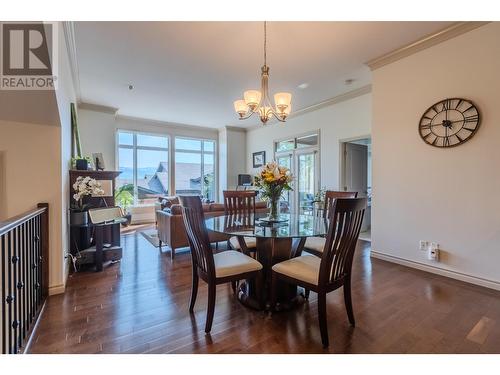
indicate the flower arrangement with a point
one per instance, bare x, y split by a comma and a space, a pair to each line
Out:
271, 181
83, 187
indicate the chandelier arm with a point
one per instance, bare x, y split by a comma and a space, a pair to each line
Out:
247, 115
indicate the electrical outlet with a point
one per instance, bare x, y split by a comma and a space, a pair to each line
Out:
424, 245
433, 252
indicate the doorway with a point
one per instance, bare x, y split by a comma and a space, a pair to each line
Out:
301, 155
356, 175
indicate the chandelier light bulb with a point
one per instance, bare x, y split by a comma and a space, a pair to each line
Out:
252, 98
240, 107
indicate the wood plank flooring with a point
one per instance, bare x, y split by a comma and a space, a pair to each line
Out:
141, 306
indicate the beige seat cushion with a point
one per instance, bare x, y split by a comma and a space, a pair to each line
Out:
305, 268
250, 241
315, 243
229, 263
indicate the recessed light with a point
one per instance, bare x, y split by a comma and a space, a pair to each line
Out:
303, 86
130, 87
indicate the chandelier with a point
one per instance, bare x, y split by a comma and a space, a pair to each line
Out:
256, 101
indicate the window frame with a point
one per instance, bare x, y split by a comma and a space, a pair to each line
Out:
201, 152
171, 150
134, 147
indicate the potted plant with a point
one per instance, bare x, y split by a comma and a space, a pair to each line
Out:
272, 180
83, 187
81, 163
124, 198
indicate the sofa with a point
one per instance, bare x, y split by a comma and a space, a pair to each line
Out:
170, 225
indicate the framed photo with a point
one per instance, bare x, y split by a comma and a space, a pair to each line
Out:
259, 159
98, 161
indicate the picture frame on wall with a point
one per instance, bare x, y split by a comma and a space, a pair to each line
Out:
259, 159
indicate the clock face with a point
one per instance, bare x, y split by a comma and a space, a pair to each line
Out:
449, 122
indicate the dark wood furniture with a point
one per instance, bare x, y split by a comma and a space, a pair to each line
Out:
221, 268
333, 270
315, 245
80, 236
240, 203
275, 243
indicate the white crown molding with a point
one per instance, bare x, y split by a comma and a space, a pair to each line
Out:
427, 41
492, 284
326, 103
234, 129
174, 125
69, 37
98, 108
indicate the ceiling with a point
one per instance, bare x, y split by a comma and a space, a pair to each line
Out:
191, 72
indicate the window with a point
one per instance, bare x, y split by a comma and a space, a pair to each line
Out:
310, 140
195, 167
143, 161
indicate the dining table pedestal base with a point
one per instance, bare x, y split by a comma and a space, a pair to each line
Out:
270, 251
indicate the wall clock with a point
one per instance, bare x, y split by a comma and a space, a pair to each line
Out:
449, 123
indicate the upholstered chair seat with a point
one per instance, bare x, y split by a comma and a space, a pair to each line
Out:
316, 244
251, 243
231, 262
304, 268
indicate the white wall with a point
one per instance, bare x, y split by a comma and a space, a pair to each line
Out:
232, 157
450, 196
346, 119
65, 95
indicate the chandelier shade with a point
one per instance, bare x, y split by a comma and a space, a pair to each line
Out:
255, 101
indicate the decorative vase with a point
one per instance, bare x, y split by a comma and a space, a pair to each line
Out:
79, 217
82, 164
274, 211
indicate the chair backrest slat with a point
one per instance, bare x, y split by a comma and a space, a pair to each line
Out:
194, 221
331, 195
343, 232
239, 203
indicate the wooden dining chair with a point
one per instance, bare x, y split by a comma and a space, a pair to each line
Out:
240, 204
315, 245
333, 269
227, 266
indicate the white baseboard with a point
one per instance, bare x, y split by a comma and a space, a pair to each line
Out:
56, 289
437, 270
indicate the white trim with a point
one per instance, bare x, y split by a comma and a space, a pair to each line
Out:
427, 41
438, 270
326, 103
98, 108
171, 125
57, 289
69, 36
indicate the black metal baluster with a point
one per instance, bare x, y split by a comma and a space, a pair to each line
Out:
13, 264
4, 302
39, 259
23, 263
35, 261
10, 297
30, 262
19, 286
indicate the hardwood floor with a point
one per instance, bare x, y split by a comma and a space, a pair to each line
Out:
141, 306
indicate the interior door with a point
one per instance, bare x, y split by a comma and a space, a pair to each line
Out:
356, 168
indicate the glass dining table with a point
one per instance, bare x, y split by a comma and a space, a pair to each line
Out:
275, 242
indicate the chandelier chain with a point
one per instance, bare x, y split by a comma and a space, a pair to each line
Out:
265, 43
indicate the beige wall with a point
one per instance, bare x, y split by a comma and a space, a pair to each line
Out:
32, 170
343, 120
449, 196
